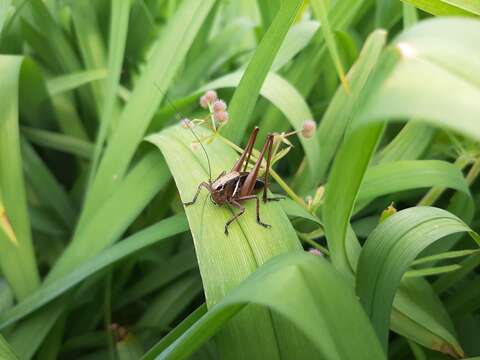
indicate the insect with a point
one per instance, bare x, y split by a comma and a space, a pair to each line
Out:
239, 185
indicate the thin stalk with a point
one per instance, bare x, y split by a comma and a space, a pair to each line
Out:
313, 243
474, 171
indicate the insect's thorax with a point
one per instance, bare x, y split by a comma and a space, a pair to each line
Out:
225, 179
229, 186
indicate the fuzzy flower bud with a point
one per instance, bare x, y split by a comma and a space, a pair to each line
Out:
204, 102
221, 116
187, 123
315, 252
309, 128
208, 98
219, 105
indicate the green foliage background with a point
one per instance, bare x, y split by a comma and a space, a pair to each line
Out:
96, 253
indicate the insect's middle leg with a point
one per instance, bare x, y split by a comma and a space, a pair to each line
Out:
251, 197
236, 216
202, 184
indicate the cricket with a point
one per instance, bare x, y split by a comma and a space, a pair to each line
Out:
239, 185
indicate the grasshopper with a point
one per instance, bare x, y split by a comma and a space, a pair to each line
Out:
239, 185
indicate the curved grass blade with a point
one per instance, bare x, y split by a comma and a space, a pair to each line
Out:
419, 315
6, 352
297, 38
421, 81
403, 175
57, 141
46, 186
388, 253
17, 257
315, 288
447, 7
64, 83
166, 58
339, 114
245, 97
120, 11
410, 143
320, 9
134, 243
173, 335
225, 261
111, 219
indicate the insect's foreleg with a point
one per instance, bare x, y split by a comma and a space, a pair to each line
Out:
236, 216
202, 184
250, 197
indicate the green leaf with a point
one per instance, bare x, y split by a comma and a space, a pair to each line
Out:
420, 316
45, 185
446, 255
134, 243
17, 258
297, 38
225, 261
111, 219
447, 7
6, 352
120, 11
58, 141
429, 84
339, 114
316, 293
389, 251
168, 54
90, 43
437, 270
320, 9
245, 97
397, 176
64, 83
410, 143
174, 334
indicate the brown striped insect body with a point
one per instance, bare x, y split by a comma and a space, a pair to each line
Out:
239, 185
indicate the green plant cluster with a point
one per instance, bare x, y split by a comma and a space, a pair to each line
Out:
373, 255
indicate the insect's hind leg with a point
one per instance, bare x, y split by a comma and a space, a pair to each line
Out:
236, 216
250, 197
202, 184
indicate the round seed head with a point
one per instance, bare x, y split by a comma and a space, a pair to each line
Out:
204, 102
309, 128
187, 123
221, 116
315, 252
211, 96
219, 105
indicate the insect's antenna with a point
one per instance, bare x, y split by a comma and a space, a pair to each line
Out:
193, 132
